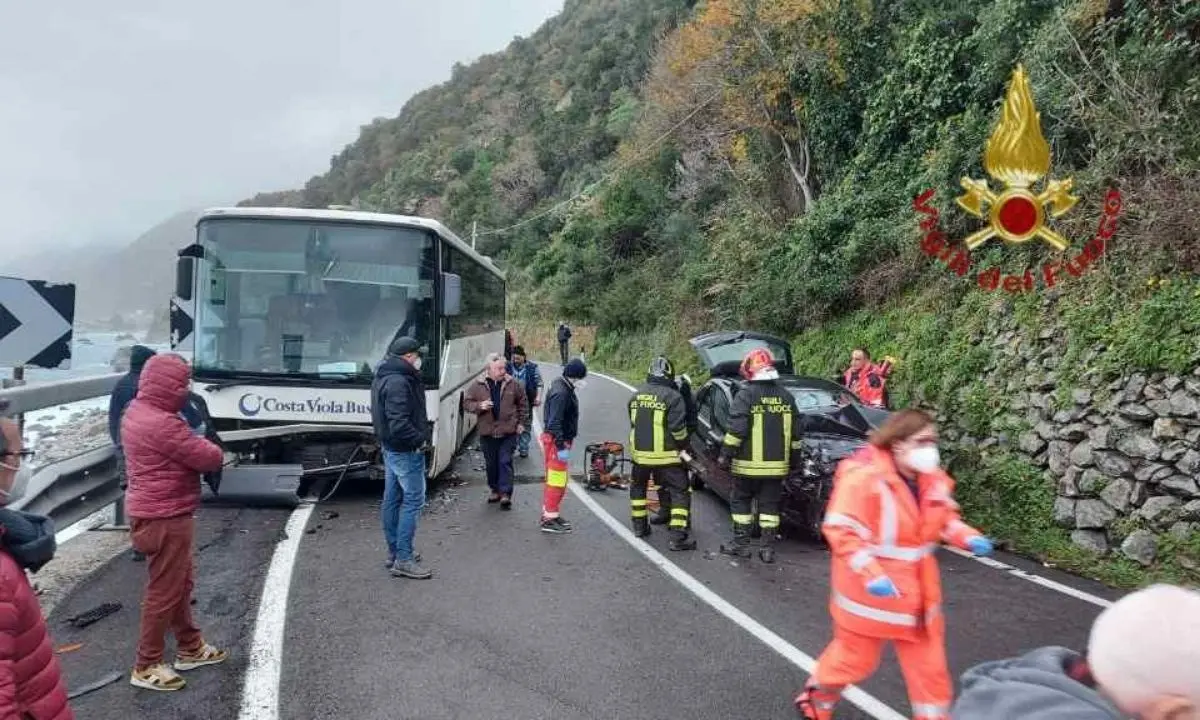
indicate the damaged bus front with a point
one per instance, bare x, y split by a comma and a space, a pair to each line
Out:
286, 312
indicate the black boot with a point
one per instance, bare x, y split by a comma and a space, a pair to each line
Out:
740, 545
681, 541
766, 549
659, 516
641, 528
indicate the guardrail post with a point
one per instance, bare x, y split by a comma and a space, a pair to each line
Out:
119, 518
18, 379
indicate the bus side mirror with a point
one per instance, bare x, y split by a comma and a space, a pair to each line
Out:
184, 271
451, 295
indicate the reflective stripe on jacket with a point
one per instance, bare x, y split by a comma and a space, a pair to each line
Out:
764, 427
869, 383
657, 424
874, 526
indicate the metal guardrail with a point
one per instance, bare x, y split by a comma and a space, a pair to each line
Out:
68, 490
39, 396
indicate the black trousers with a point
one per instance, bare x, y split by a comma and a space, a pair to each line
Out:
673, 492
562, 350
498, 455
768, 491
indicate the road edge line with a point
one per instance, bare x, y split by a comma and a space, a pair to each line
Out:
869, 704
260, 689
989, 562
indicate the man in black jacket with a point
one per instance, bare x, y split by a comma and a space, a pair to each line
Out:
564, 341
561, 421
398, 413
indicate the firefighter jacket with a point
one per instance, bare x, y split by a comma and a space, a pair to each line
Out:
658, 423
765, 426
876, 525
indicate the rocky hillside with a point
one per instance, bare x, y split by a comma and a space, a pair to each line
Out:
657, 168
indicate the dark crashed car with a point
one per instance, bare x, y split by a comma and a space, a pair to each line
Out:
837, 422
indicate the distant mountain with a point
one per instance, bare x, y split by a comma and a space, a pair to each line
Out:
134, 282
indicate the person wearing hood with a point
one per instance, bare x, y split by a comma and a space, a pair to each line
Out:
658, 432
124, 392
765, 426
560, 417
165, 460
891, 506
31, 682
401, 426
1143, 662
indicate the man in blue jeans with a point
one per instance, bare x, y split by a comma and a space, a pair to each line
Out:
398, 413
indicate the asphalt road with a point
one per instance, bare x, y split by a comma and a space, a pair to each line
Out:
517, 624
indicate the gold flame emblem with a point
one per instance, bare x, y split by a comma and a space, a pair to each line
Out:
1017, 155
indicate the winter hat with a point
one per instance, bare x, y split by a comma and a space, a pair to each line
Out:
575, 370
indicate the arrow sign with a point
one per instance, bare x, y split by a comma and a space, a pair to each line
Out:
35, 323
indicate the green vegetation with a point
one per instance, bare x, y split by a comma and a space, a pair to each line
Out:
656, 168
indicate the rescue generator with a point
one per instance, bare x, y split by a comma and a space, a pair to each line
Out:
604, 462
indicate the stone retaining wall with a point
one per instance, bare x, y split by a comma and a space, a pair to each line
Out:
1123, 454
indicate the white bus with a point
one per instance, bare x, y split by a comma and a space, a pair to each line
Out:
286, 312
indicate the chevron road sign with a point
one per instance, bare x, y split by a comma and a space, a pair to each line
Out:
35, 323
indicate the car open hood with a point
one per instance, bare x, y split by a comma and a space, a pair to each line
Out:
722, 352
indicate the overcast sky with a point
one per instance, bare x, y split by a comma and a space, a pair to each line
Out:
114, 116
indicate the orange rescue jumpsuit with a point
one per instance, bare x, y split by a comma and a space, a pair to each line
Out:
875, 526
869, 383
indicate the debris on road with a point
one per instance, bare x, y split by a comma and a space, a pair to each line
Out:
94, 615
329, 514
69, 647
93, 687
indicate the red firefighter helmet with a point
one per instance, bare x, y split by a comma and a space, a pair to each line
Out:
756, 360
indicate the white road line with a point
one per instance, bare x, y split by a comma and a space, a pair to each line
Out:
867, 703
990, 562
260, 693
1036, 579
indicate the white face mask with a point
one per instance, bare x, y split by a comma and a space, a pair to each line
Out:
924, 459
19, 484
416, 363
578, 384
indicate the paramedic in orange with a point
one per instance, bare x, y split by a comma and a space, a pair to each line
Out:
868, 380
891, 506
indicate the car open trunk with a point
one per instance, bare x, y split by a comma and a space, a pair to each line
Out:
722, 352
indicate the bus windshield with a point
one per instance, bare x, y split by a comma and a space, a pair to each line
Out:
311, 298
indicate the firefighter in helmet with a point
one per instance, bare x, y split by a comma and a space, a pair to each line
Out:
660, 516
765, 428
658, 432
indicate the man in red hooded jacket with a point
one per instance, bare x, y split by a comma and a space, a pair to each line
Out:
31, 684
164, 461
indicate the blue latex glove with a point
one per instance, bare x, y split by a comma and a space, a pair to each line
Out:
980, 545
564, 455
883, 586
